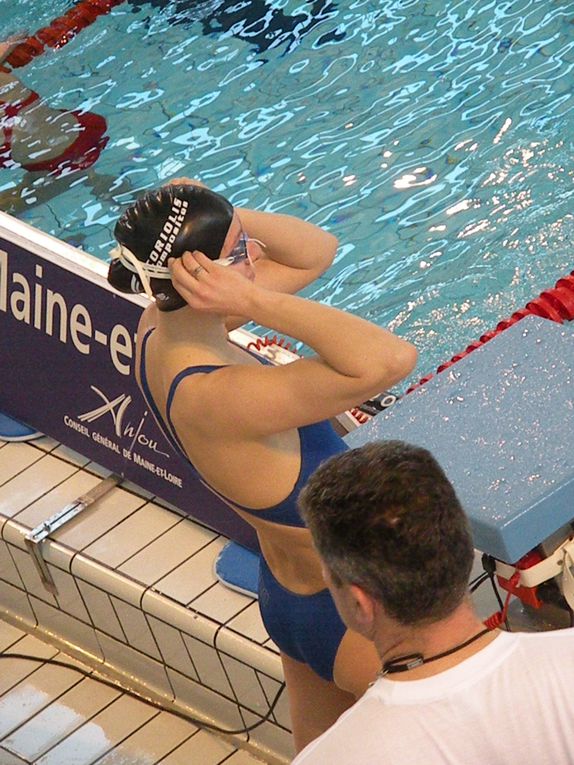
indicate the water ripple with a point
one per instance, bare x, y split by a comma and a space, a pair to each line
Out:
431, 137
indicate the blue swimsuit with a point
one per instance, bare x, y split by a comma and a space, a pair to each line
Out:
305, 627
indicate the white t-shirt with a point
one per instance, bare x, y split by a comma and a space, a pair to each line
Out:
510, 704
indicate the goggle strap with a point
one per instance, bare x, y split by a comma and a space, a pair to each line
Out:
129, 261
144, 270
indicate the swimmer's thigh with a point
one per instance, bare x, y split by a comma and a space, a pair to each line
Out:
314, 703
356, 664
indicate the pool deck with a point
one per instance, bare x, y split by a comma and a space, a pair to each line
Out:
54, 715
137, 596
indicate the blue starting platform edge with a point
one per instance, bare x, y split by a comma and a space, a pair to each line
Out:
12, 430
238, 568
500, 422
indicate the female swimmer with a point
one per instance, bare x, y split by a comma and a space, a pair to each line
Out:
274, 423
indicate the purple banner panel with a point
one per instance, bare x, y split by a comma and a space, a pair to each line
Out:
66, 368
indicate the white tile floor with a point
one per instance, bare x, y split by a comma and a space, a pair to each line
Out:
52, 715
136, 589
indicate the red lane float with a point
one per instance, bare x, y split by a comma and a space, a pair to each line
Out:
59, 31
266, 341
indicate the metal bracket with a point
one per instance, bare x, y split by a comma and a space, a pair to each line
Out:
37, 536
556, 565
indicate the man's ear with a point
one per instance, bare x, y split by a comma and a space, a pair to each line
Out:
364, 608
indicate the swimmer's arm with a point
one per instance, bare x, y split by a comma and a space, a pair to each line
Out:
355, 358
296, 252
263, 400
234, 322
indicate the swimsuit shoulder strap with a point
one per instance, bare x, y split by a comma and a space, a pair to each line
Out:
187, 372
168, 433
206, 369
168, 427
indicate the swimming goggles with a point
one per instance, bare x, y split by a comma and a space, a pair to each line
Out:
240, 252
147, 271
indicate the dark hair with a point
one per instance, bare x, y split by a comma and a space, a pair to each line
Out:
164, 224
385, 517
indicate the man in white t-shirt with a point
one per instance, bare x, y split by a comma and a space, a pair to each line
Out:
397, 555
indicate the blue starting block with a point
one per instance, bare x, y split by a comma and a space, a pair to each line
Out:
13, 430
500, 422
238, 568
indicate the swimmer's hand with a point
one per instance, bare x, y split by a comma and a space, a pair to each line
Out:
187, 182
211, 288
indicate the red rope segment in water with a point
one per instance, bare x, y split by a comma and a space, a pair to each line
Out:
59, 31
266, 341
556, 304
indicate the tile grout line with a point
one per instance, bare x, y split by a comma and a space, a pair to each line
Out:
112, 606
177, 746
128, 735
21, 761
45, 493
23, 470
186, 649
171, 571
220, 624
120, 694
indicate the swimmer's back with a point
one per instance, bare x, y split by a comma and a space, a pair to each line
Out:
261, 476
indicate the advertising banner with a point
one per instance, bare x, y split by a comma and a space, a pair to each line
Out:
67, 346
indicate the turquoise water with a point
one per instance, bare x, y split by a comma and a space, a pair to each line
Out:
433, 138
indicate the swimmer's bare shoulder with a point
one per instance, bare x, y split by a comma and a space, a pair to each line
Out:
147, 321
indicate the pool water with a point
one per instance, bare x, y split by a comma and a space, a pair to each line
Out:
433, 138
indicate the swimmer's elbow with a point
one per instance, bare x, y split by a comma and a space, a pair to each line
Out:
406, 360
398, 365
328, 250
410, 358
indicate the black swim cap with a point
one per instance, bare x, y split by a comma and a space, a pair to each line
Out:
164, 224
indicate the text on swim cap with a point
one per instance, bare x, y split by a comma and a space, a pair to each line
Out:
171, 228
